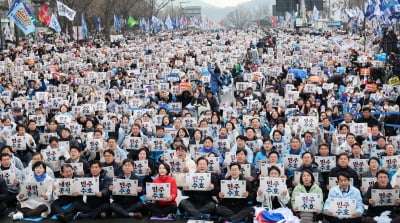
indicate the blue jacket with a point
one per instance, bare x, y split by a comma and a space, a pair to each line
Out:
353, 193
214, 150
214, 79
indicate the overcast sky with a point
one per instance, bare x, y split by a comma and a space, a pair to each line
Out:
224, 3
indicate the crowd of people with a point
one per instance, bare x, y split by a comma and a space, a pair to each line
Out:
249, 107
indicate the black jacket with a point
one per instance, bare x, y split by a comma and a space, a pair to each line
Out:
121, 199
104, 183
377, 210
352, 173
202, 197
239, 203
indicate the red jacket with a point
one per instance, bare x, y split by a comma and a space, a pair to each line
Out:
174, 190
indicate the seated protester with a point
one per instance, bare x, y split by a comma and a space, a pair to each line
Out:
34, 207
309, 164
307, 184
67, 137
293, 149
379, 149
232, 131
208, 148
382, 183
135, 132
160, 133
100, 203
165, 208
197, 137
3, 197
389, 151
263, 154
347, 145
53, 154
75, 157
109, 160
344, 190
151, 170
309, 142
25, 155
277, 136
343, 166
219, 174
12, 187
190, 165
241, 158
236, 209
241, 144
65, 215
373, 167
90, 154
251, 136
271, 201
375, 134
200, 204
36, 157
356, 152
262, 130
128, 206
120, 154
15, 161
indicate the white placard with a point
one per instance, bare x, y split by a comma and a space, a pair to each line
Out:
126, 187
213, 164
86, 186
109, 171
63, 187
325, 163
385, 197
8, 176
158, 191
18, 142
308, 202
292, 161
390, 162
133, 143
233, 189
342, 207
272, 186
95, 144
140, 167
198, 181
78, 168
297, 175
359, 165
264, 168
33, 189
367, 182
177, 165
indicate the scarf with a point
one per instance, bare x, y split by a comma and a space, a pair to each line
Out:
41, 178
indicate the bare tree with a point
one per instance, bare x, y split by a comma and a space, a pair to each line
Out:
124, 7
156, 6
239, 18
261, 12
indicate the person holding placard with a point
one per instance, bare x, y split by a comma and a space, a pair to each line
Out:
164, 209
75, 157
113, 145
390, 163
190, 165
39, 205
109, 161
151, 170
54, 154
267, 147
241, 144
374, 209
343, 166
64, 215
128, 206
236, 209
344, 191
310, 165
30, 147
14, 176
200, 203
367, 117
98, 204
15, 161
208, 148
36, 157
270, 201
347, 145
307, 185
356, 152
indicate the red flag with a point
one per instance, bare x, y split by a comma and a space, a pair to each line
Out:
186, 21
44, 15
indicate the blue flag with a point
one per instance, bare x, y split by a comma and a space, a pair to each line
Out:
13, 5
117, 24
84, 28
370, 8
21, 18
54, 24
98, 24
